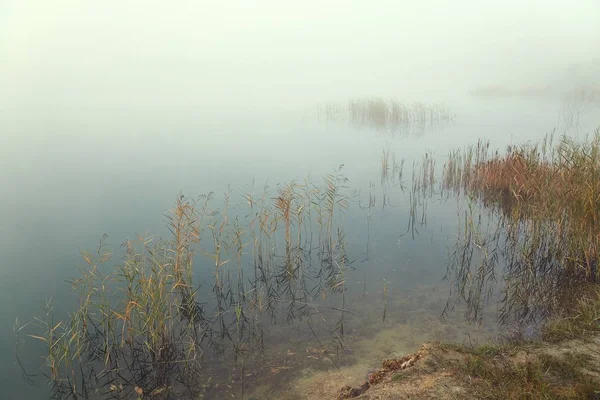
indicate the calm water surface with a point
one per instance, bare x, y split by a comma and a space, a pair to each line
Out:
66, 182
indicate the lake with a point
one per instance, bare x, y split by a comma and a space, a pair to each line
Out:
68, 181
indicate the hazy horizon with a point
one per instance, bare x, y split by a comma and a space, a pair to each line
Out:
88, 59
109, 110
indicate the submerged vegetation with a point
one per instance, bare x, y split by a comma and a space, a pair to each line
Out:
389, 116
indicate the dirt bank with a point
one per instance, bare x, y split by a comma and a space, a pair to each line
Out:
568, 369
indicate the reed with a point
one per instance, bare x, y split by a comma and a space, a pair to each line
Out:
540, 223
389, 116
385, 164
370, 204
144, 328
421, 190
385, 299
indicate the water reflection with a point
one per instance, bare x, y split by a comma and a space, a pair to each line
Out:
169, 322
292, 278
152, 329
526, 228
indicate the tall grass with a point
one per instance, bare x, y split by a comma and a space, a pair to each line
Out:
543, 228
146, 328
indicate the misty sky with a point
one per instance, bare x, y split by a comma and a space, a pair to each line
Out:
75, 56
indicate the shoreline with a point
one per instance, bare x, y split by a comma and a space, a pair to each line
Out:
563, 362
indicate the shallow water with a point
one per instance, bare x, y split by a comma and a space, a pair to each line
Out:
68, 182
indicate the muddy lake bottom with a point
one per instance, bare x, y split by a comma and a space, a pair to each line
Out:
297, 365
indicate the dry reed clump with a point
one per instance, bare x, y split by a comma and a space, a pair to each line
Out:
541, 228
510, 176
556, 188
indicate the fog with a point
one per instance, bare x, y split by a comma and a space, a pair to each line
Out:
109, 109
111, 59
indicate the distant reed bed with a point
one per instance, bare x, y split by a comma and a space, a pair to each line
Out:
389, 116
